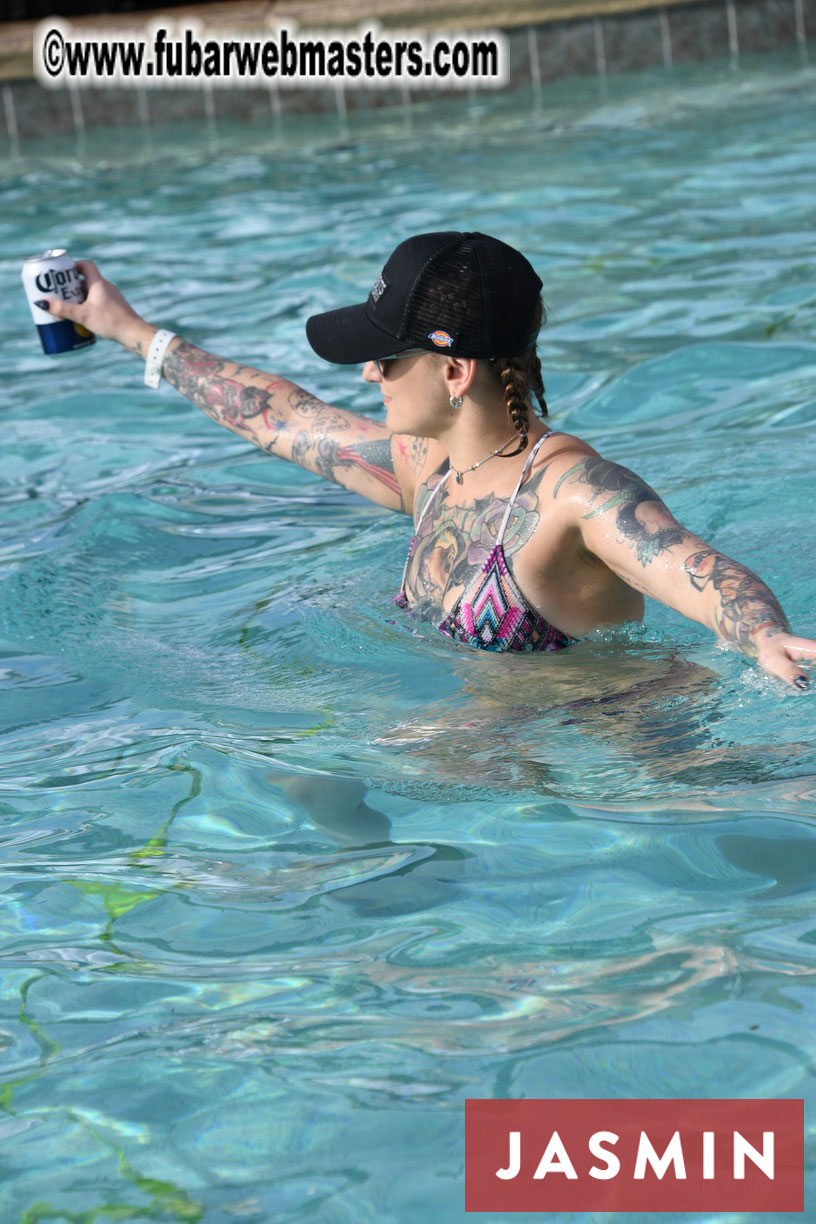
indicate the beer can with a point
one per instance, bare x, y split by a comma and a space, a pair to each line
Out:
54, 274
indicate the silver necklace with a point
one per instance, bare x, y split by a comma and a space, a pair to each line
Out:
474, 466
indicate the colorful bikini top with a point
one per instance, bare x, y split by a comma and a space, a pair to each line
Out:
492, 613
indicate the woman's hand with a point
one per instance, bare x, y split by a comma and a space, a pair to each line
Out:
105, 311
781, 654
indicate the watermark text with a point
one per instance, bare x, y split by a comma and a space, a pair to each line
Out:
183, 54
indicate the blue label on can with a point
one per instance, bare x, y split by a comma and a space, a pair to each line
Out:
63, 336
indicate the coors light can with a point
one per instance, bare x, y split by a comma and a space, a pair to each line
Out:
54, 274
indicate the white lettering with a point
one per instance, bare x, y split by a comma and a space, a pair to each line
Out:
672, 1155
555, 1160
609, 1158
514, 1165
763, 1160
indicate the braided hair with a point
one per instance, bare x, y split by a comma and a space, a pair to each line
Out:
520, 376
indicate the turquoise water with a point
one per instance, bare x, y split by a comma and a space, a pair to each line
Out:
288, 877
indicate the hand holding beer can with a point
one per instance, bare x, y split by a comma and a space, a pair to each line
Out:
54, 274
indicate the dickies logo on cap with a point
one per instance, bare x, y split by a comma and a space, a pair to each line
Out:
441, 339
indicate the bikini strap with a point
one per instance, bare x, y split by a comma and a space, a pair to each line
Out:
422, 514
431, 496
522, 477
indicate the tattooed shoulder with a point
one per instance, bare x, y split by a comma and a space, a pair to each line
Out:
602, 476
641, 516
419, 452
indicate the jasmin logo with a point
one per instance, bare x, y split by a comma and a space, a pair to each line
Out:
555, 1158
649, 1155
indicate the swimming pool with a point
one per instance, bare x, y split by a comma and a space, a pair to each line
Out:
287, 877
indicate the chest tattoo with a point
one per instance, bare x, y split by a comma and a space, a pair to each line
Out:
454, 540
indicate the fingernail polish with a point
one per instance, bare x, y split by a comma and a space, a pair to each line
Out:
42, 305
801, 682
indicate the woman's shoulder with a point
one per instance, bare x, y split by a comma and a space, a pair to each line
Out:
430, 456
416, 459
560, 463
561, 452
566, 444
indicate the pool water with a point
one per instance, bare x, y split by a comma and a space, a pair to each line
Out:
287, 876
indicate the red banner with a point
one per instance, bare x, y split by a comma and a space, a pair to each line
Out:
634, 1155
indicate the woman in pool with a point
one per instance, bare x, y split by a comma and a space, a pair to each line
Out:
525, 538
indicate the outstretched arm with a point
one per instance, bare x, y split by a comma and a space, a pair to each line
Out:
626, 525
272, 412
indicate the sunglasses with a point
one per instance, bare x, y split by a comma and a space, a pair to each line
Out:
378, 361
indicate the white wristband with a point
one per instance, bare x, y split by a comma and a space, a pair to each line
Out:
155, 356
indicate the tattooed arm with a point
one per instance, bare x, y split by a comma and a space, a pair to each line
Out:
283, 419
271, 412
626, 525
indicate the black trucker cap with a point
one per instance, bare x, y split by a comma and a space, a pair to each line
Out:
469, 295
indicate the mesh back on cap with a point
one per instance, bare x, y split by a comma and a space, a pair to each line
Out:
473, 290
